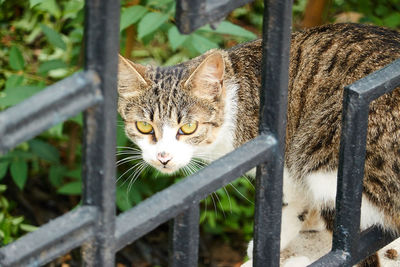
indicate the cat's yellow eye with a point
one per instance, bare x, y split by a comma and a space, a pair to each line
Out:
188, 128
144, 127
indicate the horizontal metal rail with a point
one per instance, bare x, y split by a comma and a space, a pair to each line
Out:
174, 200
51, 240
53, 105
377, 83
371, 240
191, 15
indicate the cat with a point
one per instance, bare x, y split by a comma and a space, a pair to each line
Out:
207, 106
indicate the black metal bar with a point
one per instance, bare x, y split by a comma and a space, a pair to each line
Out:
350, 172
371, 240
356, 101
51, 106
101, 55
273, 105
334, 258
349, 247
379, 82
191, 15
51, 240
184, 238
172, 201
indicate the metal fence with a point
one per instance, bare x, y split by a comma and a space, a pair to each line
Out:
95, 227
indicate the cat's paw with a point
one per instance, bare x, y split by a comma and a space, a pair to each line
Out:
248, 263
300, 261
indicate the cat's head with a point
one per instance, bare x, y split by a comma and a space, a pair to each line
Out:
172, 113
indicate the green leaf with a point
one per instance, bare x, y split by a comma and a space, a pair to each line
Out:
121, 137
175, 38
151, 22
56, 174
56, 130
71, 8
122, 200
28, 227
3, 168
76, 174
3, 188
44, 150
17, 220
393, 20
53, 37
201, 44
19, 155
14, 81
226, 27
33, 3
17, 62
51, 7
78, 119
4, 203
15, 95
73, 188
131, 15
19, 173
52, 65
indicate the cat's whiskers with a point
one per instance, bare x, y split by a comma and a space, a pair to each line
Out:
215, 206
129, 151
136, 175
129, 148
185, 171
192, 167
241, 194
229, 198
207, 156
248, 180
220, 204
122, 175
127, 159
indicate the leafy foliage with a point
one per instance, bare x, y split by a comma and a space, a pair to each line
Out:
11, 227
382, 12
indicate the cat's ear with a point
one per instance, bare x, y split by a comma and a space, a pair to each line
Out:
207, 79
130, 78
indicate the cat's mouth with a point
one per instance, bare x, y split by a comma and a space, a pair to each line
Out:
167, 169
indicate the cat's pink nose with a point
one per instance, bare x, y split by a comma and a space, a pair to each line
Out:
164, 157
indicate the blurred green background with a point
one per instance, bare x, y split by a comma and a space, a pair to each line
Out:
41, 43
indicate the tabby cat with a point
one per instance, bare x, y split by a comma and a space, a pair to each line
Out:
206, 107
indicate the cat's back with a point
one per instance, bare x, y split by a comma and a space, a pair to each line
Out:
323, 61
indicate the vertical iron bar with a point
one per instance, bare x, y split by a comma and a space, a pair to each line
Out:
350, 172
273, 105
101, 55
184, 238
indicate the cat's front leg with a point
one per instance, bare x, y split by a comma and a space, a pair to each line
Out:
294, 213
294, 210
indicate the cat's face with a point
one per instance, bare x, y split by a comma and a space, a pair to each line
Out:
172, 113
